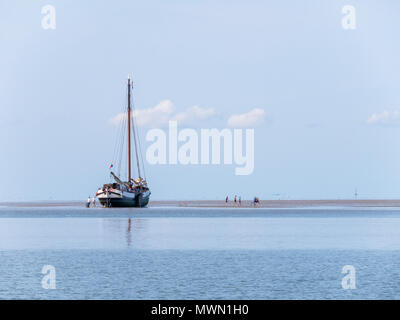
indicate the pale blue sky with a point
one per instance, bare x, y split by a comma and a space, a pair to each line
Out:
317, 83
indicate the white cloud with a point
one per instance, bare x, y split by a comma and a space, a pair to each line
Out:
385, 118
163, 112
152, 117
194, 114
250, 119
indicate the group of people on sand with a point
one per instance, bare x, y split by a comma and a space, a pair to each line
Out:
237, 201
91, 202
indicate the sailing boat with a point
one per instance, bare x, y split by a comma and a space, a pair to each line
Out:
133, 192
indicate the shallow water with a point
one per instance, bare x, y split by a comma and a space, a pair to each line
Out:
186, 253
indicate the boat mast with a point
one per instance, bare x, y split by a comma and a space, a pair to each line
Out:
129, 130
135, 141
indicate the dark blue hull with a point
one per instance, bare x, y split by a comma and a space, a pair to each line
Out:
141, 200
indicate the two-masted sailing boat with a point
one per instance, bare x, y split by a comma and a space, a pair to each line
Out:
133, 192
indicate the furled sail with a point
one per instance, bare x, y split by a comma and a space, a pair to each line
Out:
118, 180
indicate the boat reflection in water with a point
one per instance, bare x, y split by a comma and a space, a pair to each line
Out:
120, 231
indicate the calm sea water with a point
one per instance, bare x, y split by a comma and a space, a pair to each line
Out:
186, 253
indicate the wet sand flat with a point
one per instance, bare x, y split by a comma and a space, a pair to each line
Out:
223, 204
